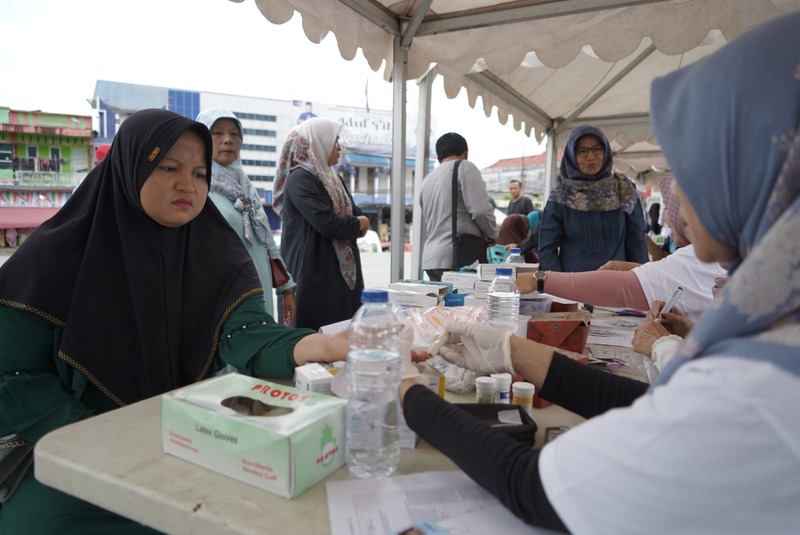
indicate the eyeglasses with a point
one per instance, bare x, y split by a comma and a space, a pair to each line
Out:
598, 150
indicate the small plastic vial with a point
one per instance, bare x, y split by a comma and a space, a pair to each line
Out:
503, 392
522, 395
485, 388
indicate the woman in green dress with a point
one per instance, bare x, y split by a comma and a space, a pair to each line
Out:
137, 286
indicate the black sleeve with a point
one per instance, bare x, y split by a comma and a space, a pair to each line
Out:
531, 242
585, 390
502, 465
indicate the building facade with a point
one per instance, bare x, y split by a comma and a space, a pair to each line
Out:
366, 138
43, 157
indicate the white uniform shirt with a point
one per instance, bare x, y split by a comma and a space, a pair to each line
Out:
716, 450
681, 268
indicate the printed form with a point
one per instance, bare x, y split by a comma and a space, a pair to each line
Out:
381, 506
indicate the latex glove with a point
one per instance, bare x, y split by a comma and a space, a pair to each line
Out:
408, 370
477, 347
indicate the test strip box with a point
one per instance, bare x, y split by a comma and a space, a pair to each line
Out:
274, 437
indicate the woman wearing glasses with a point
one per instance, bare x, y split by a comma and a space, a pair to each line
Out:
593, 215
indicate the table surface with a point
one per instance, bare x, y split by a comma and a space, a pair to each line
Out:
114, 460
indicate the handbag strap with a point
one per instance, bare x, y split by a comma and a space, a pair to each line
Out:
455, 212
455, 201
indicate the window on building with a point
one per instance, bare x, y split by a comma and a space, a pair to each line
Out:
259, 163
256, 116
258, 132
5, 155
55, 159
261, 178
261, 148
32, 155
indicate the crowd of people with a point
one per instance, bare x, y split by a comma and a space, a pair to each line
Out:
138, 286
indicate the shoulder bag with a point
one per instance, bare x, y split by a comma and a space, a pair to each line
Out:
467, 248
279, 274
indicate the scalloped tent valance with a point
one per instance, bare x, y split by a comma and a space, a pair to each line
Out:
548, 65
545, 65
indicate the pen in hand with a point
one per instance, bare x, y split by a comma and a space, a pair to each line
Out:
670, 302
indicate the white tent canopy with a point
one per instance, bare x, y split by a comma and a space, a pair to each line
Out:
547, 65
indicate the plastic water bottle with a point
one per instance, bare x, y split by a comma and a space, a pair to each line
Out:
373, 377
502, 301
515, 256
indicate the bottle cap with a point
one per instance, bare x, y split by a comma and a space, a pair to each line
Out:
374, 295
486, 384
500, 272
515, 250
523, 389
503, 381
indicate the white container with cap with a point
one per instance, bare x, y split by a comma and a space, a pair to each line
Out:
522, 395
485, 388
503, 392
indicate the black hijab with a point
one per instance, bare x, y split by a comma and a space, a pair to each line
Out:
141, 305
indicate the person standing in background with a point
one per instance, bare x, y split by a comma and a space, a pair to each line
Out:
593, 215
239, 202
474, 212
320, 225
520, 204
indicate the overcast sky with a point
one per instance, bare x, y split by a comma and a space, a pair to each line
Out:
55, 50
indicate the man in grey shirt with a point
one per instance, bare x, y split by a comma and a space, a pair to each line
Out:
474, 212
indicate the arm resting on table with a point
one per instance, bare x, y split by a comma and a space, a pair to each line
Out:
603, 288
505, 467
585, 390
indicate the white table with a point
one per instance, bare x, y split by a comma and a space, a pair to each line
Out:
115, 461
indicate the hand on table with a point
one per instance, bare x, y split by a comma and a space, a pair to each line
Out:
646, 335
478, 347
526, 283
675, 321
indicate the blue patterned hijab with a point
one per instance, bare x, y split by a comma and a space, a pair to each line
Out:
730, 127
603, 191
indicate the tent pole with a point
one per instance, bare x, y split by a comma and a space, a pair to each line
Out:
418, 233
551, 162
398, 177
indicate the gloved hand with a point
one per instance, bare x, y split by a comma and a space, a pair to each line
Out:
408, 370
477, 347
